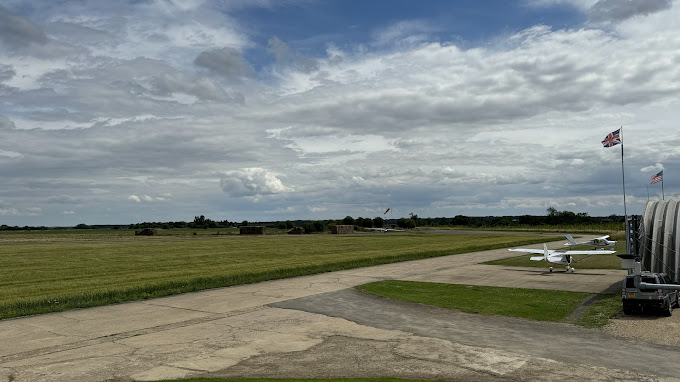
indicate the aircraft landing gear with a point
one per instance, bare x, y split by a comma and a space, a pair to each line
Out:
550, 269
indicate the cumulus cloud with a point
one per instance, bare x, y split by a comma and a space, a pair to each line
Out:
252, 182
655, 167
138, 108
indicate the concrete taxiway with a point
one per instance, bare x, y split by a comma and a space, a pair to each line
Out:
318, 326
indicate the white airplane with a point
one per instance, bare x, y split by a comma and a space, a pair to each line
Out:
385, 229
558, 256
598, 242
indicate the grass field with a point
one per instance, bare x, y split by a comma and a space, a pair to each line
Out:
64, 270
579, 262
534, 304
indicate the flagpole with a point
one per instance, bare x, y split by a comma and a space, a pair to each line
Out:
623, 181
663, 196
647, 192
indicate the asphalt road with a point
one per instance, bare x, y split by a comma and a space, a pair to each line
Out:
318, 326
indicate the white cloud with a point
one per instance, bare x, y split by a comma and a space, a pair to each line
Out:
655, 167
252, 182
159, 102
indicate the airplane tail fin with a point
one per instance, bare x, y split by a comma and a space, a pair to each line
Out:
570, 239
544, 257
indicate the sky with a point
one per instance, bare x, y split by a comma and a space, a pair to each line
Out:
266, 110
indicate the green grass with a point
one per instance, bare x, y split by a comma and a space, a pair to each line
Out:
534, 304
597, 315
48, 273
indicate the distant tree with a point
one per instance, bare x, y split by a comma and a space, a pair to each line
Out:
406, 223
289, 224
378, 222
367, 223
199, 221
460, 220
245, 223
80, 226
348, 220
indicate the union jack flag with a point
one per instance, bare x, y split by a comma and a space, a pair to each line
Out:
613, 139
657, 177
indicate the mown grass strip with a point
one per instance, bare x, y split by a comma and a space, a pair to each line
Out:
39, 278
534, 304
598, 314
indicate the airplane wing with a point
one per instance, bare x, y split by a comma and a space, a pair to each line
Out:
527, 250
594, 252
537, 258
602, 237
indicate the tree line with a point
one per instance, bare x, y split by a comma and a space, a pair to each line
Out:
553, 217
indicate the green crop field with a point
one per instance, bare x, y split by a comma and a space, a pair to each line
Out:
59, 270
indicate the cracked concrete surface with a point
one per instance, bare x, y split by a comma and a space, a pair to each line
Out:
315, 326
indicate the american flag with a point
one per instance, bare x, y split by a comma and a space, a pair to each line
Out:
613, 139
657, 177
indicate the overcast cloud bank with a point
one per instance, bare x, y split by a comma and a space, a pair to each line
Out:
153, 112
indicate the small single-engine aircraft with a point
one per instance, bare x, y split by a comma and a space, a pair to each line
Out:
385, 229
598, 242
558, 256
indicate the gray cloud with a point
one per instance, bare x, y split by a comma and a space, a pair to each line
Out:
618, 10
6, 72
203, 88
285, 56
145, 106
226, 61
17, 31
64, 199
6, 123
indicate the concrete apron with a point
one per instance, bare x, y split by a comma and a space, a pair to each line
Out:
313, 326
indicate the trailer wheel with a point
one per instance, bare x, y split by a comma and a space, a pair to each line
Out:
669, 309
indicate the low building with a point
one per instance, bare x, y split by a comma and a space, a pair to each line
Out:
252, 230
342, 229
